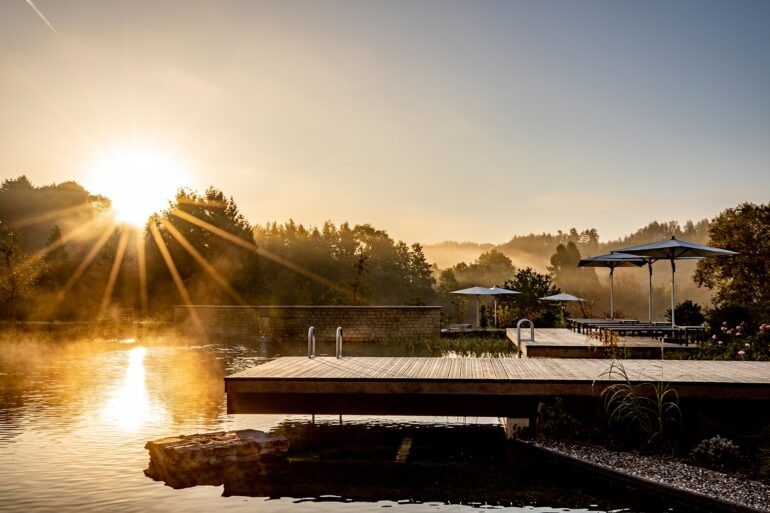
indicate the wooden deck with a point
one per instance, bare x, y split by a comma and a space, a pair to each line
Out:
469, 386
564, 343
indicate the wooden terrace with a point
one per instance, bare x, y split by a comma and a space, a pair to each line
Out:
564, 343
504, 387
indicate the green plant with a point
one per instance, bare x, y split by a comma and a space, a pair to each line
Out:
643, 410
687, 314
717, 452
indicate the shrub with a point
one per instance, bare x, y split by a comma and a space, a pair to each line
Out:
717, 452
727, 315
687, 314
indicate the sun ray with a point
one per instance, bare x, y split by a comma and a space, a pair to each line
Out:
164, 252
141, 263
261, 252
86, 262
47, 216
66, 237
202, 261
124, 233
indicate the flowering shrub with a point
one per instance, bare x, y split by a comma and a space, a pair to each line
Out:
738, 342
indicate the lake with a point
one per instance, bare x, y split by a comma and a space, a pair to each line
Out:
75, 415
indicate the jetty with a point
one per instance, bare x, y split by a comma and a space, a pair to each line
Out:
564, 343
504, 387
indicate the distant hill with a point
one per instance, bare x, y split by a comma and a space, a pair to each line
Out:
535, 250
448, 253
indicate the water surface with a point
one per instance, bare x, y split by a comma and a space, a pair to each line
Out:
75, 415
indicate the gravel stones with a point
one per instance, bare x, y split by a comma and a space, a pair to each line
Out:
668, 471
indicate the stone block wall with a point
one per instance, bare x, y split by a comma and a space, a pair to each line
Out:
290, 323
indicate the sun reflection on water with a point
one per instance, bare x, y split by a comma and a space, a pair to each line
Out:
129, 408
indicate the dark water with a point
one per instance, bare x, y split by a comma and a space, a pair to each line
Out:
75, 415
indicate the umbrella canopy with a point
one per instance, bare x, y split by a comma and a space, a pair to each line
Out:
562, 297
474, 291
501, 291
674, 249
611, 261
484, 291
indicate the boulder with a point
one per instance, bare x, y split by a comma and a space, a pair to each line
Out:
206, 458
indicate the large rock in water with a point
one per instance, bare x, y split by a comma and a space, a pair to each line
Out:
209, 458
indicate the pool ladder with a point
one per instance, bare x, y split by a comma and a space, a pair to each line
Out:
311, 342
531, 338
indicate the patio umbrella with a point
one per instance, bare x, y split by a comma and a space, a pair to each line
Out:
611, 261
499, 291
672, 250
563, 298
475, 291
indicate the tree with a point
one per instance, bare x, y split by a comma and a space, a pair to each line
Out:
57, 262
446, 284
532, 286
489, 269
219, 222
18, 273
565, 271
359, 265
740, 280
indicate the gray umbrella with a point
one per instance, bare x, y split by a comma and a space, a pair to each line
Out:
475, 291
674, 249
563, 298
611, 261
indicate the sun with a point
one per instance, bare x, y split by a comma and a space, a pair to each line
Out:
139, 180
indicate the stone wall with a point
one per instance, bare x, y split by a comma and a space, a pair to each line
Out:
289, 323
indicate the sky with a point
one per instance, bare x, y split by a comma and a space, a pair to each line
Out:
433, 120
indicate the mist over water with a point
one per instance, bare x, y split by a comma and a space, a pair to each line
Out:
75, 414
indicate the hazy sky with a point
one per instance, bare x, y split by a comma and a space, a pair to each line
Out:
431, 119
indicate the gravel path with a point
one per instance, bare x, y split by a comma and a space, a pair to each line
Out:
669, 471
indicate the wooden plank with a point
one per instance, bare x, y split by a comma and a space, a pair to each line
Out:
496, 369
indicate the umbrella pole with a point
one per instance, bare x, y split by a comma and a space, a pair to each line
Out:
673, 270
649, 295
495, 312
478, 319
612, 293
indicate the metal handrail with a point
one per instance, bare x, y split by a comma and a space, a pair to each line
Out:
339, 342
531, 338
311, 342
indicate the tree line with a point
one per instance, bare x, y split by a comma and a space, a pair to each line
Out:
61, 258
201, 250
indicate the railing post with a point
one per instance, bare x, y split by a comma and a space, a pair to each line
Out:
311, 342
339, 342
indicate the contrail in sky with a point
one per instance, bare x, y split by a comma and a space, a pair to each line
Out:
42, 17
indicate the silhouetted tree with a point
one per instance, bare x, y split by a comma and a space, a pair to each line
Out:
456, 302
565, 272
532, 286
740, 280
18, 273
489, 269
